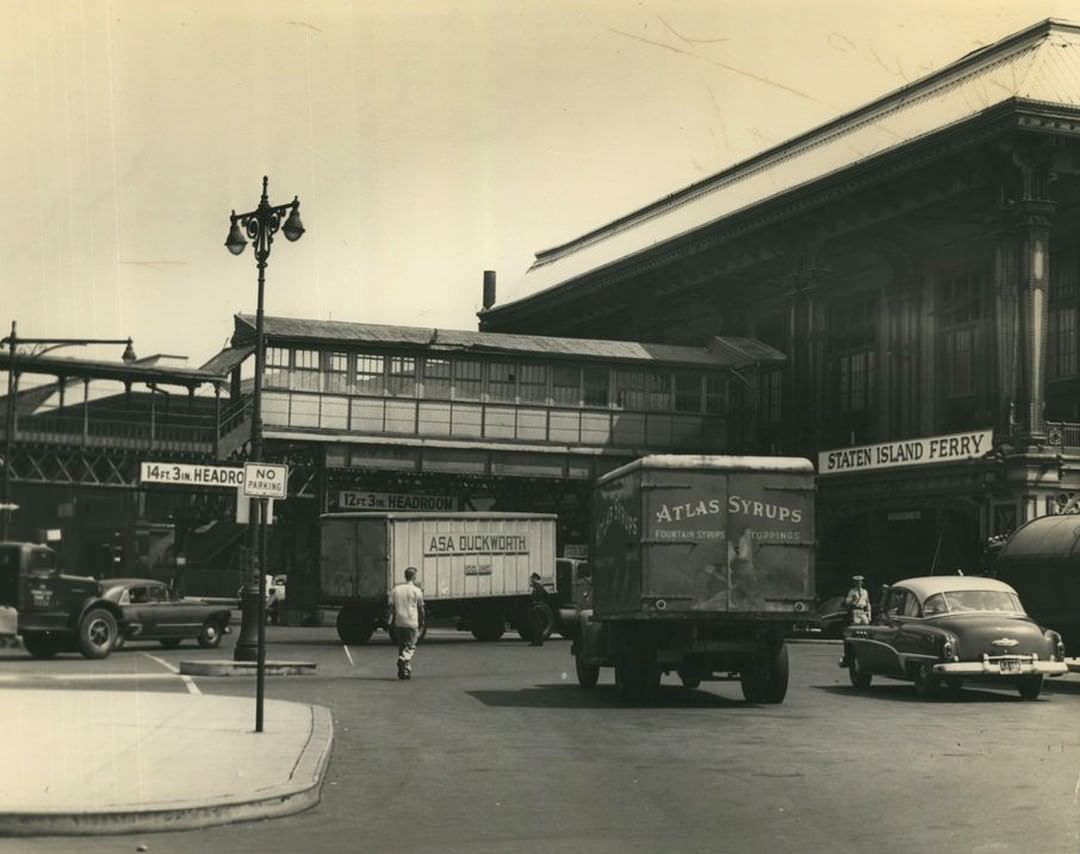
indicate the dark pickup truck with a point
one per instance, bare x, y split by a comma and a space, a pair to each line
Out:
59, 612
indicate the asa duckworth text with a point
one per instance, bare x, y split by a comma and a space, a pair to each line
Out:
472, 544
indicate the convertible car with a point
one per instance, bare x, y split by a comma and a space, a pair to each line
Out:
945, 630
150, 610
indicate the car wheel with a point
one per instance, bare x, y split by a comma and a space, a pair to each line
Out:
587, 674
926, 683
690, 677
170, 643
1030, 687
97, 633
210, 635
41, 644
860, 677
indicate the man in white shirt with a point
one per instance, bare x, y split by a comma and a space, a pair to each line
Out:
857, 602
406, 606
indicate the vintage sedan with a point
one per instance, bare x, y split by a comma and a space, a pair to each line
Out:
150, 610
945, 630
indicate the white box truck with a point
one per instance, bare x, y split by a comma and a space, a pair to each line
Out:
473, 567
700, 565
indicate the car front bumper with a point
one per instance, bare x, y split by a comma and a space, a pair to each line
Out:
1073, 664
994, 668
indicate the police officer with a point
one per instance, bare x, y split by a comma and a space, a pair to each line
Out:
857, 601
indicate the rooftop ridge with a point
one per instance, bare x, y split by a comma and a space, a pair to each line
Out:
953, 74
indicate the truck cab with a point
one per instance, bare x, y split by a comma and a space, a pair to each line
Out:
55, 610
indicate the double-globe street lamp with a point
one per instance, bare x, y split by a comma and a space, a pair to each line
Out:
260, 226
40, 346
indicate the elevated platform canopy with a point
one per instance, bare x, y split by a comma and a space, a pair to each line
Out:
729, 353
150, 370
1035, 71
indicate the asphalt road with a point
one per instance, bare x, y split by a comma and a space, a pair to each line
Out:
492, 747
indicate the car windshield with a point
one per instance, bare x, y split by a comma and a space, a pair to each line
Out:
962, 601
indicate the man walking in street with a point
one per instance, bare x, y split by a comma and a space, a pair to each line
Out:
539, 610
406, 606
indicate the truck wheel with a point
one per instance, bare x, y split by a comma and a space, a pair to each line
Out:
97, 633
41, 644
488, 628
766, 680
637, 675
587, 674
209, 635
353, 628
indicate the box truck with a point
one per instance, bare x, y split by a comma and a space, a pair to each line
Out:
473, 567
700, 565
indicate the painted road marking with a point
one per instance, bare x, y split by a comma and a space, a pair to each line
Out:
188, 681
348, 654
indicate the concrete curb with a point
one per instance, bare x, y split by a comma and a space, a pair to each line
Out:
246, 668
303, 791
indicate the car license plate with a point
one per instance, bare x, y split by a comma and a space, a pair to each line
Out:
1009, 665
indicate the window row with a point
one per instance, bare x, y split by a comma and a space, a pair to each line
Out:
439, 378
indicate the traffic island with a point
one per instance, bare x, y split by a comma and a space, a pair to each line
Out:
136, 762
246, 668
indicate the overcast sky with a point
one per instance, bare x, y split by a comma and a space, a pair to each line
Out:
427, 141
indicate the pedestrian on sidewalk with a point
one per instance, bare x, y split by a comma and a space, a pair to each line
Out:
406, 607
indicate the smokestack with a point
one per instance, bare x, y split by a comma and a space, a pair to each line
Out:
489, 289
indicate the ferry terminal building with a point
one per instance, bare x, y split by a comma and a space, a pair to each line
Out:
917, 262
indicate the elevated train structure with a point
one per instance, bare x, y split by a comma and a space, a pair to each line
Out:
367, 417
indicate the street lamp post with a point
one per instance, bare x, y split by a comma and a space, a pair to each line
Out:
41, 346
260, 225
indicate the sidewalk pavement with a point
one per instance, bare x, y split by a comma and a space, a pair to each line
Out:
103, 762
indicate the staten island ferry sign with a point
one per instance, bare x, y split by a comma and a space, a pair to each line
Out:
907, 452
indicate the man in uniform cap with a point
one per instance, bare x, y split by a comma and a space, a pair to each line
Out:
857, 601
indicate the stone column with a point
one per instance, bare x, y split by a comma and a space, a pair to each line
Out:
1022, 281
805, 353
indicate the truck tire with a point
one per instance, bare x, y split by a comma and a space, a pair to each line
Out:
488, 627
765, 680
97, 633
587, 674
637, 675
41, 644
353, 627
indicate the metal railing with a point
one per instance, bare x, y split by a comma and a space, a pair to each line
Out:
138, 430
1068, 432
